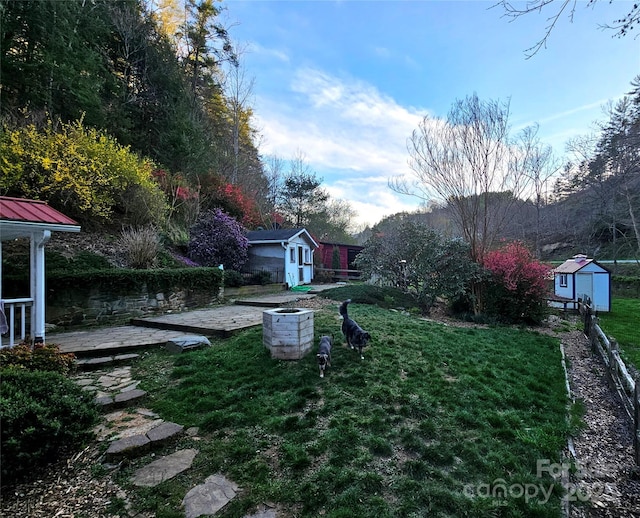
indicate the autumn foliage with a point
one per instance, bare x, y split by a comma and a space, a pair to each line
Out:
516, 290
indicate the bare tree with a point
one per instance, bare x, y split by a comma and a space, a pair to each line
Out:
537, 162
467, 162
622, 25
238, 90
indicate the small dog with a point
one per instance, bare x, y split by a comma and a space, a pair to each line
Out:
355, 335
324, 354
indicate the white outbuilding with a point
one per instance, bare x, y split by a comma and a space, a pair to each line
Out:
581, 277
286, 253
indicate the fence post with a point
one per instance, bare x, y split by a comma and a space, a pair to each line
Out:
636, 421
613, 364
587, 318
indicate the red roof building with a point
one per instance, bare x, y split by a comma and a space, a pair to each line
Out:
33, 220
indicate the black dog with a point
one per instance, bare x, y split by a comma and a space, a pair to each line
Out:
355, 335
324, 354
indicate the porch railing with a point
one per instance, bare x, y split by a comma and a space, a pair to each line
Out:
15, 311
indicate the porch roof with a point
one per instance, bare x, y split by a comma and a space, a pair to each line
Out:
21, 217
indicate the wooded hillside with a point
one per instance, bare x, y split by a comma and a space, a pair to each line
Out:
125, 113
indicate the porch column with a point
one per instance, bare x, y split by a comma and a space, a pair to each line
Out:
38, 293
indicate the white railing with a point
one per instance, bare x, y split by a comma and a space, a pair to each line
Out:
10, 306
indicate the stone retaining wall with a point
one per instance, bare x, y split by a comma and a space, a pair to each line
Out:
81, 308
70, 308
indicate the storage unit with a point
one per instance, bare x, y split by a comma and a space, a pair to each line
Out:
580, 277
289, 251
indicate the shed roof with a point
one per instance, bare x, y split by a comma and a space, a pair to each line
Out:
575, 264
19, 216
278, 235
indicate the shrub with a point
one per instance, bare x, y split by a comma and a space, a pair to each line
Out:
121, 280
43, 416
217, 238
232, 279
141, 247
516, 290
83, 172
323, 276
420, 260
42, 357
262, 278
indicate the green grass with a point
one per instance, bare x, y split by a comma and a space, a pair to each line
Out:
432, 415
622, 324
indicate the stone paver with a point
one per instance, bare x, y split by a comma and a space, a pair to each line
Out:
263, 512
124, 398
164, 468
208, 498
111, 339
127, 446
164, 431
158, 330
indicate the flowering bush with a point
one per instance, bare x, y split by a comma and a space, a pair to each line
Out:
81, 171
217, 238
237, 201
40, 357
516, 290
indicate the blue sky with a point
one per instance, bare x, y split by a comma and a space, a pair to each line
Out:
344, 83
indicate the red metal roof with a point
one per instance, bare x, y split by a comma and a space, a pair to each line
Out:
32, 211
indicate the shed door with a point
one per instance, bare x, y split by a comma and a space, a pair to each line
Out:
300, 265
584, 285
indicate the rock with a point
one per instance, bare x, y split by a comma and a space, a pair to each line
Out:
208, 498
164, 468
186, 343
164, 432
127, 446
124, 398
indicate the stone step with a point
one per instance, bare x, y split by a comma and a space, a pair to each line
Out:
101, 362
209, 497
164, 468
120, 400
134, 445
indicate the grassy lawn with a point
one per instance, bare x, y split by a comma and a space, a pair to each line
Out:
432, 422
622, 324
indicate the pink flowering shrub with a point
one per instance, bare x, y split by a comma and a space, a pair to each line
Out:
516, 290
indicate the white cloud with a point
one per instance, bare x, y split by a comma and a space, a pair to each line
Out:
371, 199
338, 124
259, 50
346, 129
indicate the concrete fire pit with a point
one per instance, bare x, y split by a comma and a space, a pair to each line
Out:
287, 332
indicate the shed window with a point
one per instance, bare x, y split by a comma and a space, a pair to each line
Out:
292, 255
307, 260
563, 280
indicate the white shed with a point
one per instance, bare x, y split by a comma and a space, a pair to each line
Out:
286, 251
579, 277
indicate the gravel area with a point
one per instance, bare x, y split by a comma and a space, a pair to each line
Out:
607, 483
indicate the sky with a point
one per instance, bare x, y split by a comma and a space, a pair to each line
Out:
344, 83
